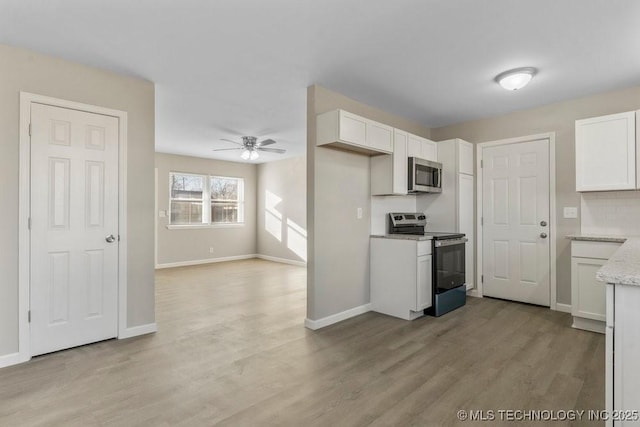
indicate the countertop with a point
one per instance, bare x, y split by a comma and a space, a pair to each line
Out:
597, 238
402, 237
624, 266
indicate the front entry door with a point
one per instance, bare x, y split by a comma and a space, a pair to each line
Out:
74, 228
515, 212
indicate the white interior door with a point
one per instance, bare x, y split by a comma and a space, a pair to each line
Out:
74, 211
515, 211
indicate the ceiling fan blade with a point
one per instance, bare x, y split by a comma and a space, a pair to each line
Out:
228, 140
266, 142
272, 150
226, 149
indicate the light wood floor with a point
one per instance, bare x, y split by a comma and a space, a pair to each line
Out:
232, 350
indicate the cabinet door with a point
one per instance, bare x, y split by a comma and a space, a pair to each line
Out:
587, 293
424, 290
379, 136
608, 352
626, 351
606, 153
400, 166
465, 157
414, 146
429, 150
352, 128
465, 224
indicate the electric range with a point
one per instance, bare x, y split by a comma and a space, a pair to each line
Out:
448, 252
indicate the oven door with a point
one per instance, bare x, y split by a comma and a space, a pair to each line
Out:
449, 264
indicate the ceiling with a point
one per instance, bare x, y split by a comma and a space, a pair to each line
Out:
227, 68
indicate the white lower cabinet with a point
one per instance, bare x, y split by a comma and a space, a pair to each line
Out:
588, 294
401, 277
423, 283
622, 387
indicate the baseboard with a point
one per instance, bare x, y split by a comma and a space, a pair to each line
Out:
565, 308
204, 261
282, 260
11, 359
589, 325
338, 317
473, 293
135, 331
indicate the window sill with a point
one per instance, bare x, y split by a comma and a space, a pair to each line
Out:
198, 226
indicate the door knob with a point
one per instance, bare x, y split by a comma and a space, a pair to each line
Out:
543, 223
110, 238
543, 235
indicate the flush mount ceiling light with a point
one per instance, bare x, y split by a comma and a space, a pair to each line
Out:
517, 78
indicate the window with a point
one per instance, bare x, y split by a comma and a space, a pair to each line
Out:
204, 200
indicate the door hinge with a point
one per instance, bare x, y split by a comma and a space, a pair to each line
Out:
481, 220
118, 237
482, 278
29, 316
29, 129
481, 164
29, 223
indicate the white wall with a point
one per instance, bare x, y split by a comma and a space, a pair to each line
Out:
177, 246
282, 209
23, 70
611, 212
338, 183
381, 206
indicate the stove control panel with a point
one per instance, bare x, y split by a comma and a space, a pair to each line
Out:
411, 219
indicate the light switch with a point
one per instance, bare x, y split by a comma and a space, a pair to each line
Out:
162, 214
359, 213
570, 212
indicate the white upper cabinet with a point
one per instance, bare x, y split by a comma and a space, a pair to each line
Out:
379, 137
465, 157
422, 147
341, 129
606, 153
389, 172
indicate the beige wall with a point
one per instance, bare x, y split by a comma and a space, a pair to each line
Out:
559, 118
22, 70
183, 245
282, 209
338, 183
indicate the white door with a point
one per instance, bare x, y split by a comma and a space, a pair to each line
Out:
74, 213
515, 211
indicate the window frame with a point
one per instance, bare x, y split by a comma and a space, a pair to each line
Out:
207, 203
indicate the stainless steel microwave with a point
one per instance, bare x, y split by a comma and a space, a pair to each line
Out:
425, 176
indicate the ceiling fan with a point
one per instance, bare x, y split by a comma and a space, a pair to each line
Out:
251, 146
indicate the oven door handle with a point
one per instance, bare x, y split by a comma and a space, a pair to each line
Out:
443, 243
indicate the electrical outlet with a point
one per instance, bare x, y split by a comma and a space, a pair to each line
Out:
211, 250
162, 214
571, 212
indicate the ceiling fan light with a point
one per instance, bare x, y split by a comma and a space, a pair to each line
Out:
246, 154
517, 78
254, 155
